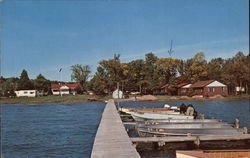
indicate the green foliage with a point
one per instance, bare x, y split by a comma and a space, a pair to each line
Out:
150, 74
197, 69
80, 74
41, 83
168, 68
235, 72
24, 82
215, 68
99, 83
144, 76
8, 86
109, 73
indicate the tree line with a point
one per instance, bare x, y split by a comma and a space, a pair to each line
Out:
143, 75
148, 75
9, 85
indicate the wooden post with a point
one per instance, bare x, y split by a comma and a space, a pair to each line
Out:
197, 142
237, 123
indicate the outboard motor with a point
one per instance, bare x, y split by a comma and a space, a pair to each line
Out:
183, 108
190, 110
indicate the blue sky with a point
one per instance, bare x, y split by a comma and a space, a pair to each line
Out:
43, 36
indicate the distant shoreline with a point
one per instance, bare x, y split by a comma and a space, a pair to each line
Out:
90, 98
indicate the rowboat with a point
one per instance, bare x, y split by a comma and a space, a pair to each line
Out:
187, 126
128, 110
149, 132
179, 121
142, 116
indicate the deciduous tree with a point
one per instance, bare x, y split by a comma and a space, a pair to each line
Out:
80, 74
24, 82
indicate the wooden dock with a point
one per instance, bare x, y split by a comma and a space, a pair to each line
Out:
213, 153
111, 138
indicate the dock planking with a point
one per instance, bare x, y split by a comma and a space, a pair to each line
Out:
111, 138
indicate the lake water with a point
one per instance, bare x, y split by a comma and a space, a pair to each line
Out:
68, 129
50, 130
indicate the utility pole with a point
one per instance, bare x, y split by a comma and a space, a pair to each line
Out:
118, 92
60, 71
170, 50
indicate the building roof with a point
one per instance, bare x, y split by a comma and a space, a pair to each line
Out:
182, 84
72, 85
165, 86
55, 86
69, 85
201, 84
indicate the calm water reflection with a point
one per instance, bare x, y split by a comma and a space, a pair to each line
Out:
68, 129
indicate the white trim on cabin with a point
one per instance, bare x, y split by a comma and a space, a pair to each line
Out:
215, 84
63, 90
186, 86
64, 87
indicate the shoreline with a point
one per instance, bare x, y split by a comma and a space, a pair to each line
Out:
90, 98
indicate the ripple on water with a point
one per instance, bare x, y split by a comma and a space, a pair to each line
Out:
68, 130
50, 130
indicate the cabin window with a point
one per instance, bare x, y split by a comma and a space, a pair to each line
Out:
211, 89
31, 92
183, 90
222, 89
64, 90
25, 92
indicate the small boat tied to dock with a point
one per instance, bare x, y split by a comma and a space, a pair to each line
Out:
165, 127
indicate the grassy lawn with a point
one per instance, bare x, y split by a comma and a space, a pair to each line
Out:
51, 99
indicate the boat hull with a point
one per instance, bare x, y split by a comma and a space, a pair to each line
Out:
141, 116
143, 132
187, 126
128, 110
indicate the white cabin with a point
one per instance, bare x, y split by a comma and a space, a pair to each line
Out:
26, 93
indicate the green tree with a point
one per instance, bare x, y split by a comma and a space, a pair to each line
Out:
215, 67
236, 72
41, 83
136, 75
24, 82
198, 68
80, 74
99, 83
8, 86
168, 69
112, 69
151, 73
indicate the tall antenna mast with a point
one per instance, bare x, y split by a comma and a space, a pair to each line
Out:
170, 51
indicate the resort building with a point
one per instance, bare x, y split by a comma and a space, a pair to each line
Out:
164, 89
183, 89
64, 88
209, 88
